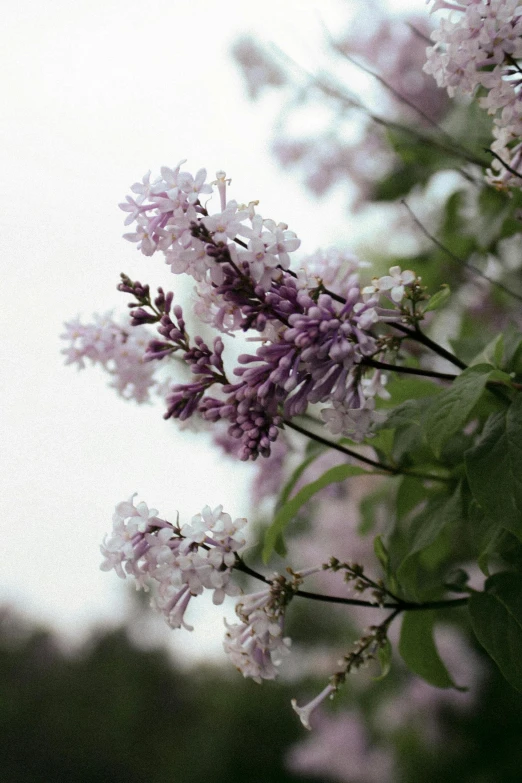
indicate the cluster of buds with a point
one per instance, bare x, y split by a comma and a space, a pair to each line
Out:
364, 651
354, 575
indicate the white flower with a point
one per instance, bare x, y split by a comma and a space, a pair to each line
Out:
395, 282
225, 225
194, 186
256, 645
157, 553
142, 236
305, 712
355, 423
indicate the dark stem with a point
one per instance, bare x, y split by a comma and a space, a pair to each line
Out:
513, 62
398, 606
394, 471
506, 165
416, 334
420, 337
443, 376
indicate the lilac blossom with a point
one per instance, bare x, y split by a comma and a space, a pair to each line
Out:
182, 561
341, 750
174, 221
317, 345
477, 48
119, 349
258, 70
179, 562
256, 645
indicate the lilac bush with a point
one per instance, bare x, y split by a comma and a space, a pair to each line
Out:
398, 450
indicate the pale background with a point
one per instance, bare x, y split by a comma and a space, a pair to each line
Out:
96, 92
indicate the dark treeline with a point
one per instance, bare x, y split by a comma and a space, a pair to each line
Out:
114, 712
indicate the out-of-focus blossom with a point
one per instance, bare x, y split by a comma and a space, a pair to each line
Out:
340, 749
118, 348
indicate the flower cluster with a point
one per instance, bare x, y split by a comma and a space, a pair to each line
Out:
256, 645
170, 217
318, 344
119, 349
478, 48
181, 562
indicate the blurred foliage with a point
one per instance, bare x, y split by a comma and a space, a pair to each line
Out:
115, 713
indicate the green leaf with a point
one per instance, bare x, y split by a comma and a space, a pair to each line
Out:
496, 617
418, 651
442, 510
280, 546
381, 553
296, 475
438, 300
406, 387
370, 506
452, 408
410, 494
492, 353
287, 512
493, 467
382, 442
408, 412
384, 656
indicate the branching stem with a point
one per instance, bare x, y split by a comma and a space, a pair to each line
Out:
398, 606
381, 466
451, 254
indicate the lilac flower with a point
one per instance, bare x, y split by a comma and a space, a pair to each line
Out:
305, 712
395, 283
178, 562
259, 71
315, 345
194, 186
256, 645
120, 350
477, 48
174, 222
225, 225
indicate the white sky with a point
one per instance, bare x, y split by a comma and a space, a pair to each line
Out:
96, 92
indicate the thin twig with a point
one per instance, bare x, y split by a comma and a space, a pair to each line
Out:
503, 162
456, 258
398, 606
396, 93
418, 336
350, 100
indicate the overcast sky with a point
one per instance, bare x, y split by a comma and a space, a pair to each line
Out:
95, 93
